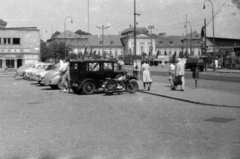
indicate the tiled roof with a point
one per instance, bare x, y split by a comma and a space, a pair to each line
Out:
195, 36
93, 40
165, 41
2, 22
69, 35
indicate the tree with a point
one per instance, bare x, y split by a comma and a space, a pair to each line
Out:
44, 52
55, 34
57, 49
73, 56
80, 32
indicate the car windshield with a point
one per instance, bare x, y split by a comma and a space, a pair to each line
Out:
49, 67
56, 67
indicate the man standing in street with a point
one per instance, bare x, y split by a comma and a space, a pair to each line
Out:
180, 72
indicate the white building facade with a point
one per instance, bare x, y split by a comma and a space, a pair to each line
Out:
19, 46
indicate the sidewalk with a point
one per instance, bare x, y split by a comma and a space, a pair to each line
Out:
192, 95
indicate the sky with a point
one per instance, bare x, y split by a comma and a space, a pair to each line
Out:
166, 16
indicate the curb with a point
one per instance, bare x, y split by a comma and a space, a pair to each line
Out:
189, 101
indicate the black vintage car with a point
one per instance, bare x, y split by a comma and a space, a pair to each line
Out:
89, 75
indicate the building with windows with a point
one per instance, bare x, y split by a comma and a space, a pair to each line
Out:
18, 46
158, 44
109, 44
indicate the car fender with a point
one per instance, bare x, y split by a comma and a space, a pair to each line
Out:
130, 78
55, 79
84, 81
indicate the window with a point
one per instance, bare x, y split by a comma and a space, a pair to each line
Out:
16, 41
170, 53
142, 47
10, 63
116, 53
0, 63
93, 66
7, 41
74, 66
112, 42
107, 66
171, 42
100, 42
160, 42
165, 52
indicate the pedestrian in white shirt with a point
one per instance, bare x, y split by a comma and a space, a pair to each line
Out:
171, 72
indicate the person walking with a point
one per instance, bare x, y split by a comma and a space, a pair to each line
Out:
65, 75
171, 73
145, 75
216, 63
180, 72
163, 63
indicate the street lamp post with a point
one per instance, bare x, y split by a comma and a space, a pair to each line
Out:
182, 40
187, 22
65, 33
151, 27
213, 32
102, 35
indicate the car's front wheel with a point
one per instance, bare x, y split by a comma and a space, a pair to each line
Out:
89, 88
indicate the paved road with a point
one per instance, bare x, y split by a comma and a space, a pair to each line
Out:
38, 122
209, 75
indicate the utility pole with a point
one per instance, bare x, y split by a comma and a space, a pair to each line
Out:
88, 16
151, 27
186, 35
102, 36
135, 47
205, 37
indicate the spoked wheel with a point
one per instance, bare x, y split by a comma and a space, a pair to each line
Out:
110, 88
132, 86
89, 88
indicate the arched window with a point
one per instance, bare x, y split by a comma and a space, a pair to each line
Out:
141, 49
149, 48
165, 52
170, 53
199, 52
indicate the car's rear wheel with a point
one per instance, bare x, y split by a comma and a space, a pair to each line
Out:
89, 88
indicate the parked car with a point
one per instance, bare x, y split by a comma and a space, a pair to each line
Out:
89, 75
39, 68
53, 78
26, 73
37, 76
21, 69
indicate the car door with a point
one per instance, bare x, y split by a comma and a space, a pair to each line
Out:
94, 71
108, 69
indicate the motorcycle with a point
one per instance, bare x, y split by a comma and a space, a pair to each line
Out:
123, 83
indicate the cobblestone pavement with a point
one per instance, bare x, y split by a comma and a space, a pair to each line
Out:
38, 122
